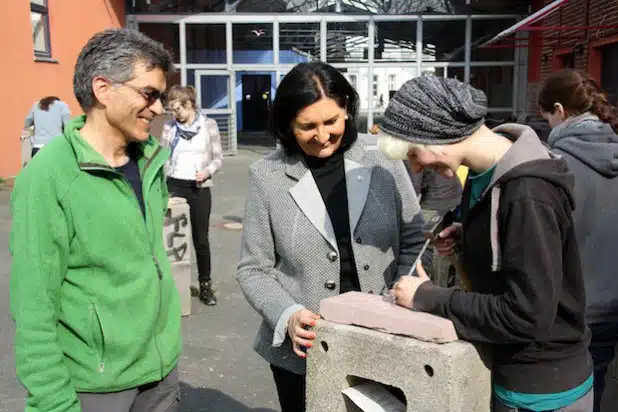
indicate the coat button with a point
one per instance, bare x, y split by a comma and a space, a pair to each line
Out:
330, 285
332, 256
359, 240
366, 267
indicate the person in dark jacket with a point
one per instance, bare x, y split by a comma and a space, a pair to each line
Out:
435, 192
584, 128
517, 242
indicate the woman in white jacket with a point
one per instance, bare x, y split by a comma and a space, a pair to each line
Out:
196, 156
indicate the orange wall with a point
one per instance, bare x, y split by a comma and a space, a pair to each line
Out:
24, 81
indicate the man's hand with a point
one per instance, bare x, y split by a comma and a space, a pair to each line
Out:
406, 287
297, 332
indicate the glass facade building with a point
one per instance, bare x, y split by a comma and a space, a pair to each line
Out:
236, 52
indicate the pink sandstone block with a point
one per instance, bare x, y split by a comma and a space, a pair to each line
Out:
374, 312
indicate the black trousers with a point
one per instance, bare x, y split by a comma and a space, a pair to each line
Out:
603, 349
290, 388
200, 204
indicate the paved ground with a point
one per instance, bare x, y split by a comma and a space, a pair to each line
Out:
219, 371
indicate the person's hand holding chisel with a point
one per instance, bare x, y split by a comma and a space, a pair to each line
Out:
406, 287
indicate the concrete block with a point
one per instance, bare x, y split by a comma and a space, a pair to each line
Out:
177, 231
181, 271
373, 311
428, 377
179, 246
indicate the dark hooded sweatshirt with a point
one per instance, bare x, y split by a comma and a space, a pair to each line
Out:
520, 254
590, 147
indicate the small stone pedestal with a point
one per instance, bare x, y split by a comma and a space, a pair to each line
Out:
426, 376
179, 245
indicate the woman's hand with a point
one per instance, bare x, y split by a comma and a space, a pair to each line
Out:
406, 287
200, 177
298, 334
447, 240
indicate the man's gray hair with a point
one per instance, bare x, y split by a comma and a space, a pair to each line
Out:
113, 54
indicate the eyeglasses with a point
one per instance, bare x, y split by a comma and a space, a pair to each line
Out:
148, 93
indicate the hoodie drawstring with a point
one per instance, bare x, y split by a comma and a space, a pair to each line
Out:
494, 230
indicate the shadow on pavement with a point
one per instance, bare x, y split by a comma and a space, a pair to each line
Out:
211, 400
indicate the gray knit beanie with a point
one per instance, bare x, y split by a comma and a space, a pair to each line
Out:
434, 110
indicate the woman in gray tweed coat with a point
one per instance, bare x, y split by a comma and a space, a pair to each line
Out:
323, 216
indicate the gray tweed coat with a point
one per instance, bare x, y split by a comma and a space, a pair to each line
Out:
289, 255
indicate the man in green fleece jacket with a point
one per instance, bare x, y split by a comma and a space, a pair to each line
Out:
96, 309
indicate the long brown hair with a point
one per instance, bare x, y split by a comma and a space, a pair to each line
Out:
578, 93
45, 102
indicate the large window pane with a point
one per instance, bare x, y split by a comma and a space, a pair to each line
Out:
253, 43
483, 30
386, 81
444, 7
444, 41
39, 20
165, 33
359, 79
451, 72
299, 42
395, 41
609, 68
206, 43
39, 33
176, 6
347, 42
215, 92
214, 89
283, 6
496, 82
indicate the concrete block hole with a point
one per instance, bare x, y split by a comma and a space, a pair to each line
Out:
356, 380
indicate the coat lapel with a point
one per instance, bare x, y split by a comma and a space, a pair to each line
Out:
358, 180
309, 200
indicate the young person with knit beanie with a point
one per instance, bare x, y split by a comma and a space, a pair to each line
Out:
516, 240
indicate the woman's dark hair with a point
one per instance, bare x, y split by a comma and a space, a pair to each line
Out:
304, 85
578, 93
45, 102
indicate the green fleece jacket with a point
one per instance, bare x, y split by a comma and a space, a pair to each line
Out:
95, 306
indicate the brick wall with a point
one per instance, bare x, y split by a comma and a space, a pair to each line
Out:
562, 43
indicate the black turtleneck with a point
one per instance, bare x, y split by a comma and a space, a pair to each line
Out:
329, 175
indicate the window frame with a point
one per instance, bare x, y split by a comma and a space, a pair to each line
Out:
392, 82
44, 12
376, 86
